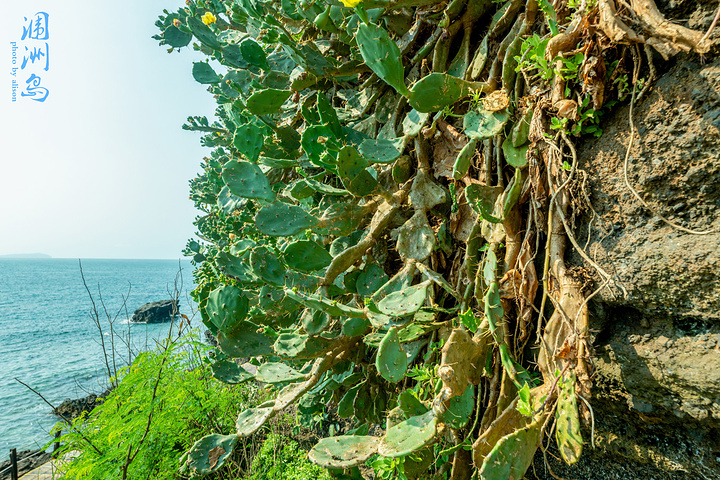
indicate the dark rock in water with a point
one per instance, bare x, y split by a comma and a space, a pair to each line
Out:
27, 460
73, 408
156, 312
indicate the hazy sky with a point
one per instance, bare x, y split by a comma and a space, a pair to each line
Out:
101, 168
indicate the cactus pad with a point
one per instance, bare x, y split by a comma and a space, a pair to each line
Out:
306, 256
512, 455
209, 453
482, 124
438, 90
266, 102
204, 73
381, 150
277, 373
296, 345
267, 267
250, 420
226, 307
244, 341
461, 407
230, 372
382, 55
344, 451
409, 436
352, 169
391, 361
464, 160
282, 219
567, 426
416, 239
246, 180
248, 140
404, 302
318, 302
515, 156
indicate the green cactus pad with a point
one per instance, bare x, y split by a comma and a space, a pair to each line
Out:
512, 193
282, 219
520, 131
253, 53
248, 140
235, 267
411, 405
314, 321
266, 102
567, 425
266, 266
342, 218
512, 455
391, 361
246, 180
175, 37
318, 302
464, 160
250, 420
278, 373
299, 346
326, 189
436, 91
227, 307
416, 238
370, 280
306, 256
481, 124
515, 156
244, 341
203, 33
299, 190
328, 116
344, 452
413, 122
381, 150
203, 73
409, 436
382, 55
461, 407
354, 327
228, 201
404, 302
345, 406
482, 199
315, 141
352, 169
209, 453
230, 372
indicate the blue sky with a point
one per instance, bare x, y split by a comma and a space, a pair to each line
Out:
101, 168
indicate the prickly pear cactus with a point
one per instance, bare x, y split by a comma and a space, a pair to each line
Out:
385, 213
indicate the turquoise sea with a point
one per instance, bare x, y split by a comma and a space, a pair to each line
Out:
49, 341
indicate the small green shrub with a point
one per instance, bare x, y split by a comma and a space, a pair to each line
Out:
282, 458
188, 403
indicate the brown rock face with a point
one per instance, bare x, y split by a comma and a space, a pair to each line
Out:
656, 394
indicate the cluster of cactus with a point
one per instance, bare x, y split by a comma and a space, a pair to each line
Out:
367, 199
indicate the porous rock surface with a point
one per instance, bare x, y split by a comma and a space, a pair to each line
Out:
656, 396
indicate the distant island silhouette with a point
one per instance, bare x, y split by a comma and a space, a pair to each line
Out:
26, 255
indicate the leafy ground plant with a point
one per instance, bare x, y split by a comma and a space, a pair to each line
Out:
387, 176
169, 398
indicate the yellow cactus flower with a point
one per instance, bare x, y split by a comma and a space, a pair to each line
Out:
208, 18
351, 3
177, 22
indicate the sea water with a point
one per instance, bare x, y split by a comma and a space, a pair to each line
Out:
49, 341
